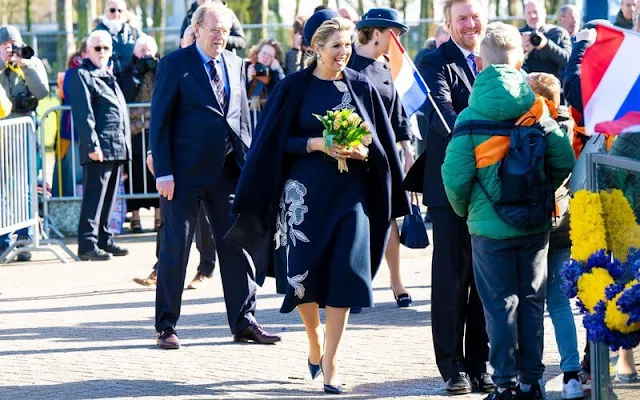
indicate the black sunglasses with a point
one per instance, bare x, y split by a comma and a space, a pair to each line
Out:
100, 48
113, 10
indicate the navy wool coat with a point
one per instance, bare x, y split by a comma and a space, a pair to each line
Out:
265, 171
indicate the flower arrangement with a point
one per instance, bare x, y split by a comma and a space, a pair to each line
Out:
604, 231
343, 128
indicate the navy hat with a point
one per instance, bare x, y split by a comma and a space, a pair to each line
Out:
314, 22
382, 18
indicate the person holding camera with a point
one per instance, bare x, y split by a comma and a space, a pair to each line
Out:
263, 74
137, 82
547, 47
22, 76
298, 55
24, 81
123, 35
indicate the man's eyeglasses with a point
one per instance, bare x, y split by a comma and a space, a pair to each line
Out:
217, 31
98, 49
113, 10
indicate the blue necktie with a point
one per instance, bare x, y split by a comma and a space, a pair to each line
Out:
218, 85
221, 94
472, 57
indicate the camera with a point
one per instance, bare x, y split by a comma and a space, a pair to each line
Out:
262, 70
24, 52
535, 39
146, 64
25, 102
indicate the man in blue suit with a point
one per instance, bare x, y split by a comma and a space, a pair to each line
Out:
199, 135
459, 337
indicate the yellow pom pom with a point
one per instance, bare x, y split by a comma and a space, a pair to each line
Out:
620, 223
592, 285
615, 319
587, 225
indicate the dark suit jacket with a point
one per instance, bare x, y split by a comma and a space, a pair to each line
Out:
554, 56
188, 127
100, 114
450, 79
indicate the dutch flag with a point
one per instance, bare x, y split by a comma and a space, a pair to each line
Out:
610, 80
411, 88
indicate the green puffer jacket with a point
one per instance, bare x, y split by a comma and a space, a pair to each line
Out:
500, 93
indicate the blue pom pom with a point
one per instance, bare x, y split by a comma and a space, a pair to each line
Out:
612, 291
629, 303
615, 269
597, 331
570, 273
599, 259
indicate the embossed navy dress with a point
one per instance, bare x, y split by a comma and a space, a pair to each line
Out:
322, 232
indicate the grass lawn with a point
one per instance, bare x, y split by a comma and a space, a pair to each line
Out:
50, 124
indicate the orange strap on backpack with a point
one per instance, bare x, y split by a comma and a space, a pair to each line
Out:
495, 148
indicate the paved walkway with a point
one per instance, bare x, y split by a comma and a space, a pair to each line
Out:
85, 331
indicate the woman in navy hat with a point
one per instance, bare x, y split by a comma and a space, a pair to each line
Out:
327, 228
370, 57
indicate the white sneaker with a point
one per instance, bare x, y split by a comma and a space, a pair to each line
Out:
572, 390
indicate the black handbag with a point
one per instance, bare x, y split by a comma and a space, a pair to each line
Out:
413, 233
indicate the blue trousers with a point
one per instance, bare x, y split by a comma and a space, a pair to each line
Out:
560, 312
511, 276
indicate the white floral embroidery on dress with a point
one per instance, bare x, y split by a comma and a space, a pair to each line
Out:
289, 217
346, 103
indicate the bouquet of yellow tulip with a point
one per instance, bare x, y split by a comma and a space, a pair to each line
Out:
343, 128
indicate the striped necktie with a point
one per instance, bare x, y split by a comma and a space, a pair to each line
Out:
218, 85
474, 68
221, 94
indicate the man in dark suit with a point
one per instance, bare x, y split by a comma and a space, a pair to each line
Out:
550, 51
200, 134
450, 71
101, 118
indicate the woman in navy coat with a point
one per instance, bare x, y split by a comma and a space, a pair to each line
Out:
328, 229
370, 58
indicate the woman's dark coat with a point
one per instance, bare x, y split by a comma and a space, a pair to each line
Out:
265, 171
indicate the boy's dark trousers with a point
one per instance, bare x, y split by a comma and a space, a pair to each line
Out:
511, 276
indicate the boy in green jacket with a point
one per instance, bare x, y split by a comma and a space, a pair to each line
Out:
509, 263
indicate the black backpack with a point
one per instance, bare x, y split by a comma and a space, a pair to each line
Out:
527, 197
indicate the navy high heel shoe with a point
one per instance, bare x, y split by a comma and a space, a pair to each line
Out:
314, 370
330, 388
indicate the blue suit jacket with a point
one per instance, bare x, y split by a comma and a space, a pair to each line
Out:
188, 128
449, 78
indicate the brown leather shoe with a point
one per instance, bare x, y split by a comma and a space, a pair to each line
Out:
198, 281
168, 339
151, 280
255, 333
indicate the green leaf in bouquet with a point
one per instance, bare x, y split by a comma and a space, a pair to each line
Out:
323, 120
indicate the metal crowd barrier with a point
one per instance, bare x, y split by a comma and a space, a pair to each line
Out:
19, 190
599, 167
60, 112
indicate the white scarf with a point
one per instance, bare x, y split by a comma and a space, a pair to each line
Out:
114, 25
